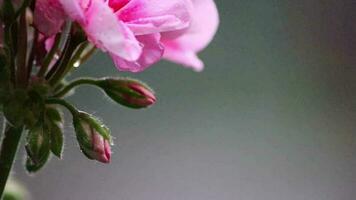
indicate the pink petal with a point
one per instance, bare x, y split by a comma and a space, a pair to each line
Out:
150, 16
152, 52
98, 143
184, 47
101, 148
49, 16
117, 4
74, 9
187, 57
103, 28
107, 149
49, 42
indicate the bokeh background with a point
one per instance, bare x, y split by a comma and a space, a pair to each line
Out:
272, 117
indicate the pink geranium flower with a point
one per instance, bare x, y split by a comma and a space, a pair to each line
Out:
137, 33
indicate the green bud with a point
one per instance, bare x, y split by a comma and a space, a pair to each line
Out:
93, 137
54, 122
37, 148
128, 92
56, 140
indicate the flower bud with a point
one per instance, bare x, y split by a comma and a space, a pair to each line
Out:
37, 148
128, 92
93, 137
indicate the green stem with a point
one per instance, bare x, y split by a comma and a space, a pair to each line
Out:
70, 86
22, 9
63, 58
49, 57
64, 103
10, 143
22, 52
10, 52
31, 57
87, 55
68, 61
76, 57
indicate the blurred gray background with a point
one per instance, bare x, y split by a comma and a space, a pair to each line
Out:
272, 117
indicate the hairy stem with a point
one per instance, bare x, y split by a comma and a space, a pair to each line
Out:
71, 55
32, 54
64, 57
64, 103
49, 57
9, 146
70, 86
22, 52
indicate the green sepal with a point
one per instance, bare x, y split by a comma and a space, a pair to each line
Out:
82, 137
56, 139
36, 106
37, 148
40, 86
96, 124
54, 122
53, 114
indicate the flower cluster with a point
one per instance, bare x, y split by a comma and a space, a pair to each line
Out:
42, 41
136, 33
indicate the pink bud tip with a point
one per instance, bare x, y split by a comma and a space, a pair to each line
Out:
148, 99
101, 148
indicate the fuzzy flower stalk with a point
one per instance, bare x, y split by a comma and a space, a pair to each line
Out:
43, 41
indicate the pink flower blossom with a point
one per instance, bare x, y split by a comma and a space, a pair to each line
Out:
137, 33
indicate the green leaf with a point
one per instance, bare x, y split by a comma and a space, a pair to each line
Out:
37, 148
